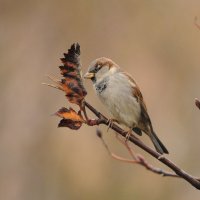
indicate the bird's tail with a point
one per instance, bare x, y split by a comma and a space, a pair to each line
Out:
158, 144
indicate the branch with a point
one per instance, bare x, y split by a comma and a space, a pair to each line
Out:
178, 171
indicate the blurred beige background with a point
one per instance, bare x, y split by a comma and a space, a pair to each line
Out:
156, 41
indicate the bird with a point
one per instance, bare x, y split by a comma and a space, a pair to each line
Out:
122, 97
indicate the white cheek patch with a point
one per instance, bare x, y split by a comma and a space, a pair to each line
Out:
104, 69
113, 70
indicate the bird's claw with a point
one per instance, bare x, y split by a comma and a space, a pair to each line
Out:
110, 123
128, 134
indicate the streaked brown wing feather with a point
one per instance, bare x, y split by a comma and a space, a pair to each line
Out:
144, 122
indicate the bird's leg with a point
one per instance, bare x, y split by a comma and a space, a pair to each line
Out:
110, 123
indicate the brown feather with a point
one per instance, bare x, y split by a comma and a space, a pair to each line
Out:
144, 123
105, 62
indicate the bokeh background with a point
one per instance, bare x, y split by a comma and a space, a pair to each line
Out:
156, 41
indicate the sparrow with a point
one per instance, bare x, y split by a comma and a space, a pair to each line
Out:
118, 91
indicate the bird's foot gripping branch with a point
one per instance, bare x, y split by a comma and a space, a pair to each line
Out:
71, 84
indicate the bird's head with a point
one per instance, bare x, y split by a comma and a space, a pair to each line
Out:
100, 68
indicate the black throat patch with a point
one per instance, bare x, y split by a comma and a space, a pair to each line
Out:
100, 87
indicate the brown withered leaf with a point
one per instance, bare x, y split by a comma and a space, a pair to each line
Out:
71, 118
71, 70
70, 124
69, 114
71, 83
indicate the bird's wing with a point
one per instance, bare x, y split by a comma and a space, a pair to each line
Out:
145, 122
136, 91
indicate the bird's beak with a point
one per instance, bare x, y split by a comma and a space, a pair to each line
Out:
89, 75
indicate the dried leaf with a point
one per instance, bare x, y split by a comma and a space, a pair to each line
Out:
71, 118
72, 83
70, 124
69, 114
71, 70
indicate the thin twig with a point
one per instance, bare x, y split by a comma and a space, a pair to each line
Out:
139, 159
116, 157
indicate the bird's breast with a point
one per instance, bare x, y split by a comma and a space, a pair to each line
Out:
116, 94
